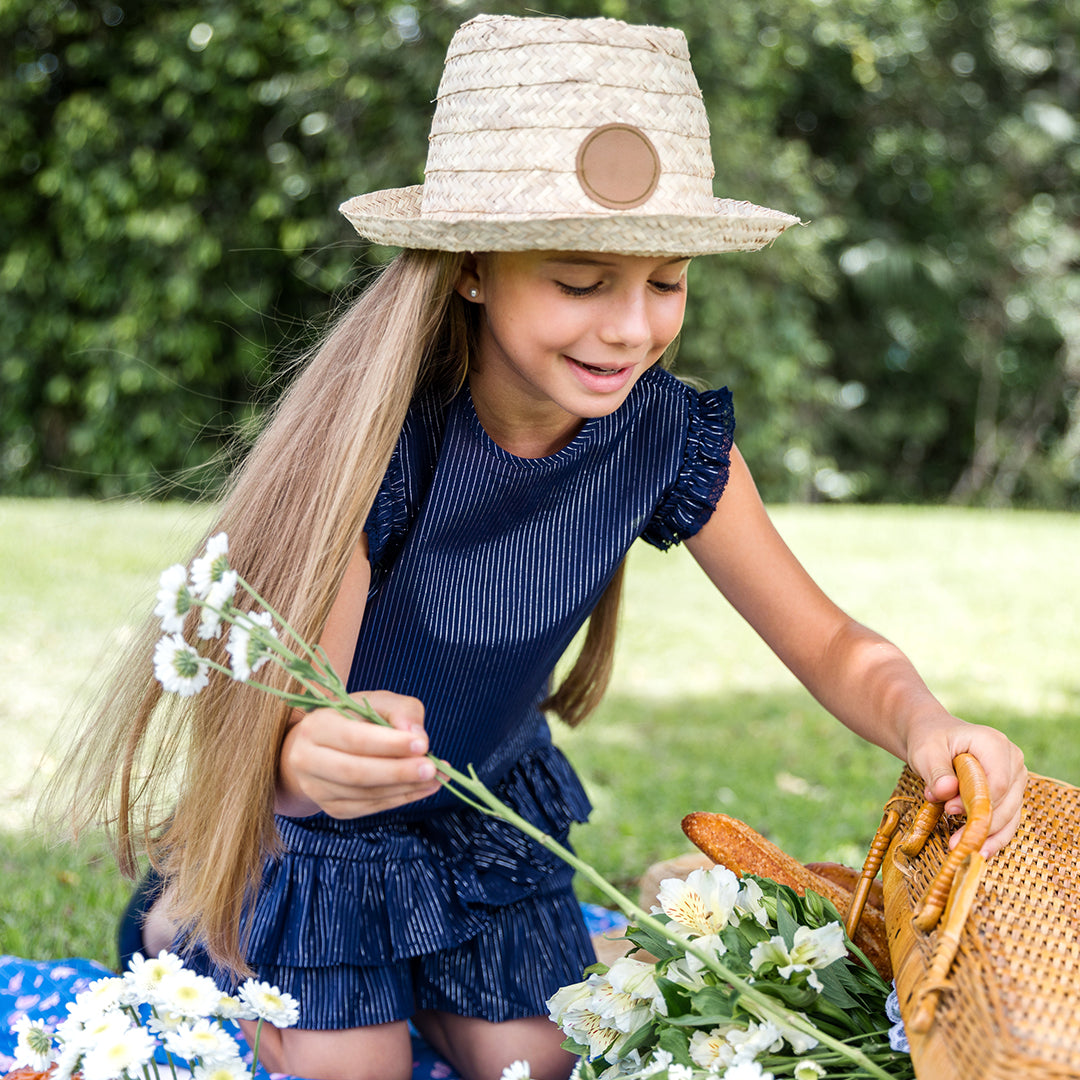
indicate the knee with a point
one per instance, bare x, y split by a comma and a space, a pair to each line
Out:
377, 1053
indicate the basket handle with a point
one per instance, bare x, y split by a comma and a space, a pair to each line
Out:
950, 896
975, 794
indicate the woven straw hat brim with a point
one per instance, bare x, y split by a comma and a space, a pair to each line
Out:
393, 217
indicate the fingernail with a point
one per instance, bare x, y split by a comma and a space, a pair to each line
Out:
416, 746
427, 771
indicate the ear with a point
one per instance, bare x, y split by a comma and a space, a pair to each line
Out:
468, 283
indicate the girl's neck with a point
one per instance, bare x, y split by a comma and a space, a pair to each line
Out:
522, 428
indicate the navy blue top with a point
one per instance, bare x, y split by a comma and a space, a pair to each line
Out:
498, 560
484, 565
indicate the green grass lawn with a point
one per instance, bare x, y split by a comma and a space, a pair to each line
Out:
700, 715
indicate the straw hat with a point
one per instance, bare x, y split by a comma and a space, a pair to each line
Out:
570, 135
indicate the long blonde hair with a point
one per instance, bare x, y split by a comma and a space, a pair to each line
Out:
191, 782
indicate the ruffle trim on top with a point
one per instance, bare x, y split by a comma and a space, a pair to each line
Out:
348, 893
704, 473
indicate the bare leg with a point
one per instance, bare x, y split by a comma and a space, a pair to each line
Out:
379, 1052
480, 1050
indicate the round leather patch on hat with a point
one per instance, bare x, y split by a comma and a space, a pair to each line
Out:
617, 166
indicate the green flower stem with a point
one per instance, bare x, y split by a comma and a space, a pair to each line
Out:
488, 803
325, 689
255, 1048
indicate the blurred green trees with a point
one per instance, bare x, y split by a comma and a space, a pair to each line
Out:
169, 239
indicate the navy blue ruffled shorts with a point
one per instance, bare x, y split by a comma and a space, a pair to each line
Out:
367, 922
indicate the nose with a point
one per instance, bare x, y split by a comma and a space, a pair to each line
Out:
626, 321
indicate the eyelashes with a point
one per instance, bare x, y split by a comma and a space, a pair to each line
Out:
667, 288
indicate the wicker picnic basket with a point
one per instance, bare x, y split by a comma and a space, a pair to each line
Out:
986, 954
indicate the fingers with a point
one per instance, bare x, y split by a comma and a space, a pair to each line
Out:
349, 768
1001, 760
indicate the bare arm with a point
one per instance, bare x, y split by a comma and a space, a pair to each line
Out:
348, 767
862, 679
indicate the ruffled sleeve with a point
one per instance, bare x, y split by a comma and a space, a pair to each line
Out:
690, 501
388, 520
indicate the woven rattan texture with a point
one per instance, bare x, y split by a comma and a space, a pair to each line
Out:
1012, 1007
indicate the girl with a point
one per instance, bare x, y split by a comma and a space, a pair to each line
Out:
442, 498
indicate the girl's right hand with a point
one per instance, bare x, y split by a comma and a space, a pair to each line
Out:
349, 768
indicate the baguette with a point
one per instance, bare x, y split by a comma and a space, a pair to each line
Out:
733, 844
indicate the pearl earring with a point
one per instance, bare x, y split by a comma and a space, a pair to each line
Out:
473, 294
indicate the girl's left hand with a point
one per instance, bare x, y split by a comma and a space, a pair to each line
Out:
931, 757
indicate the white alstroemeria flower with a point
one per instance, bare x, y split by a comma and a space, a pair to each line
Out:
621, 1011
270, 1004
33, 1044
225, 1071
798, 1040
572, 1008
173, 599
631, 986
711, 1049
747, 1070
809, 1070
178, 667
703, 903
144, 974
755, 1040
517, 1070
247, 650
680, 1072
750, 902
116, 1050
209, 567
187, 994
216, 603
810, 949
204, 1040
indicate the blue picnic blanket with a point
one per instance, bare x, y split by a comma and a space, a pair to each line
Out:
42, 990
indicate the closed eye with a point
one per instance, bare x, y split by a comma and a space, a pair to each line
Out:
577, 290
669, 286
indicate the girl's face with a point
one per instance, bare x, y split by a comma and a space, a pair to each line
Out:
564, 336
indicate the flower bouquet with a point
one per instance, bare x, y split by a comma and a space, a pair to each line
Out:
159, 1013
750, 980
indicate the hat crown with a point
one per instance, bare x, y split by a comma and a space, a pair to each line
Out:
520, 97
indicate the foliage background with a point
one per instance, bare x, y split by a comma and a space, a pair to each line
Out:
168, 239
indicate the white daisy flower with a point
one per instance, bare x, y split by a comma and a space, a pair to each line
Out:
210, 567
178, 667
224, 1071
173, 599
163, 1020
144, 974
188, 994
33, 1044
205, 1041
248, 650
117, 1051
270, 1004
702, 904
232, 1008
100, 999
216, 603
517, 1070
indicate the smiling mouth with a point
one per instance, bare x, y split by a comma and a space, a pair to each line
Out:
596, 369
